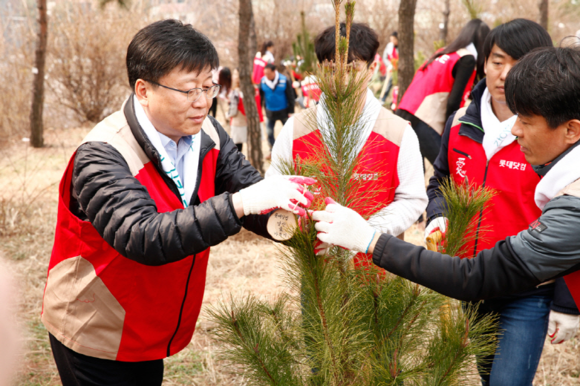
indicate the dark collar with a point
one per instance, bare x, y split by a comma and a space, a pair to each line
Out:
472, 126
542, 170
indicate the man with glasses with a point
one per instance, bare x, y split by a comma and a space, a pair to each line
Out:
145, 195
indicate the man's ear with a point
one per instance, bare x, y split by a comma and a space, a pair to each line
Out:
485, 66
141, 92
373, 66
572, 131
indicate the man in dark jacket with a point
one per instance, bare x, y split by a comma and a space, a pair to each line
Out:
477, 146
151, 188
543, 88
278, 97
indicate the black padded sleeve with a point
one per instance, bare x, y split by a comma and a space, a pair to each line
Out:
123, 213
493, 272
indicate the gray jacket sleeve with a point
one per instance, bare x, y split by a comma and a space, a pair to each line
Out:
551, 246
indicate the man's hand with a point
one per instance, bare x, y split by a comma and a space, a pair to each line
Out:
339, 225
437, 224
284, 192
562, 326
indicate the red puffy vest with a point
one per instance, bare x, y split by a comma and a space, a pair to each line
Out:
513, 208
377, 168
426, 97
102, 304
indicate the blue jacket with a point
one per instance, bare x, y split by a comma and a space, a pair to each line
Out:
279, 98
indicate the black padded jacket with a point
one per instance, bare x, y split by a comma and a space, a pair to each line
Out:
105, 193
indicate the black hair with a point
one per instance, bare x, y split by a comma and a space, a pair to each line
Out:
546, 82
225, 79
395, 34
475, 31
162, 46
270, 66
363, 45
517, 38
266, 45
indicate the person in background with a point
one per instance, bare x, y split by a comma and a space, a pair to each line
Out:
442, 85
278, 97
238, 121
543, 90
224, 79
477, 145
267, 54
390, 58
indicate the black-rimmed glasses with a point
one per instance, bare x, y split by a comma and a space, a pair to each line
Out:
195, 93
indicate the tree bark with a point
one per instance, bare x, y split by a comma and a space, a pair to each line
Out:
246, 58
443, 31
36, 124
406, 69
543, 7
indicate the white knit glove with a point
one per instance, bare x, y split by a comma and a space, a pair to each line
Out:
562, 326
439, 223
284, 192
339, 225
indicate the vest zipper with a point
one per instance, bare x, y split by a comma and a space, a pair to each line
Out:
480, 213
462, 153
181, 309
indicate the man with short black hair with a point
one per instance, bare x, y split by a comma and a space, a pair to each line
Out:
477, 146
278, 98
388, 148
543, 89
148, 192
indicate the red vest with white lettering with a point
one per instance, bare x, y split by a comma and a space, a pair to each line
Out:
508, 173
427, 95
102, 304
375, 175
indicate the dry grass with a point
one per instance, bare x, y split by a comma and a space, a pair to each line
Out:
244, 263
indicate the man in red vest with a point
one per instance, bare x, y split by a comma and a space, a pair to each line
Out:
150, 190
390, 162
543, 89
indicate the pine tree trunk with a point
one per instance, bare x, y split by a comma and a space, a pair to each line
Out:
245, 57
36, 125
543, 7
406, 69
443, 31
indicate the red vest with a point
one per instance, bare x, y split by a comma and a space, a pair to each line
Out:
102, 304
507, 172
258, 71
426, 97
376, 173
258, 99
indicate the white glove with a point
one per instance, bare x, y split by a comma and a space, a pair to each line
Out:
339, 225
284, 192
562, 326
439, 223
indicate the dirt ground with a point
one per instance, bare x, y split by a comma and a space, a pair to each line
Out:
244, 263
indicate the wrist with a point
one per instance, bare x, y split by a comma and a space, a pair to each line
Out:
238, 204
374, 241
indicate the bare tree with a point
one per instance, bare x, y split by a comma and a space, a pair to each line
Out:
36, 125
245, 67
406, 44
543, 7
443, 31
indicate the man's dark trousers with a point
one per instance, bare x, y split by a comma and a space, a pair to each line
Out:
273, 116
